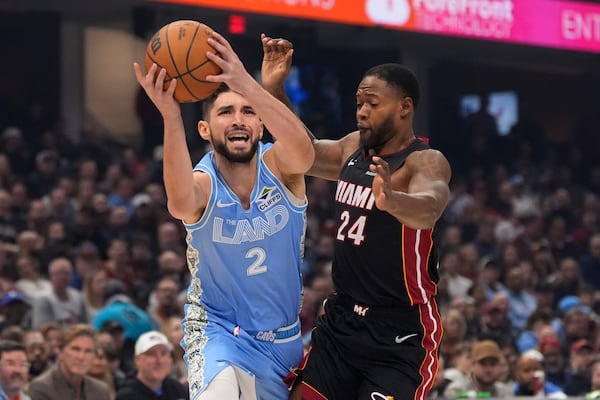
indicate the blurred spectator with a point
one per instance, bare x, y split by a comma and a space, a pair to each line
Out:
101, 371
594, 392
93, 291
494, 323
53, 338
567, 281
10, 226
457, 285
86, 260
530, 378
67, 379
36, 351
490, 277
578, 374
45, 176
153, 364
484, 375
521, 302
14, 370
64, 304
539, 324
455, 334
14, 311
173, 331
590, 263
460, 367
554, 361
164, 302
30, 284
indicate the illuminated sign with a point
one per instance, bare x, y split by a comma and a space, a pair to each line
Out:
549, 23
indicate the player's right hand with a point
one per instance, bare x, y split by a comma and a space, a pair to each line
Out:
153, 84
277, 61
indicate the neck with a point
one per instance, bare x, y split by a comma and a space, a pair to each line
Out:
74, 380
151, 383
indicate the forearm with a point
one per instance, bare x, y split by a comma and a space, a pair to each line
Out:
283, 124
177, 168
416, 210
280, 94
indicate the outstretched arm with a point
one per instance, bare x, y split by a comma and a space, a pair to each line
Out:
185, 193
422, 204
293, 151
276, 65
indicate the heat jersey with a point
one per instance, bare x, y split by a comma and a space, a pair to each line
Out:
378, 260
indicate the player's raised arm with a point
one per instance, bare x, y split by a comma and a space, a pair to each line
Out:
184, 193
293, 149
276, 65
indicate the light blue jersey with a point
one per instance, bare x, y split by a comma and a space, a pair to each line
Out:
245, 294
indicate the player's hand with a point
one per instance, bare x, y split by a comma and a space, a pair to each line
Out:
277, 61
153, 83
233, 73
382, 183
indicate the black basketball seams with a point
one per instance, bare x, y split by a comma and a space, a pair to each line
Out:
175, 64
157, 64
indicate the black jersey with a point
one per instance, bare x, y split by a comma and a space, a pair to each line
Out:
378, 260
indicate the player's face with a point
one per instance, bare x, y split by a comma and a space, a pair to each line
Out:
235, 128
378, 112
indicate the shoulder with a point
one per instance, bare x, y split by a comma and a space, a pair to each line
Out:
429, 161
96, 385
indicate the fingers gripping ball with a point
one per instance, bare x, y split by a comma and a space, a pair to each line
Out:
180, 47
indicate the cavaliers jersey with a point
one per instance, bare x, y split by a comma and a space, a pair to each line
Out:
378, 260
245, 294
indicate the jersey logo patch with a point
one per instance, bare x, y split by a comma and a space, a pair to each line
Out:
268, 198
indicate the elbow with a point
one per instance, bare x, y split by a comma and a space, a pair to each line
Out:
176, 210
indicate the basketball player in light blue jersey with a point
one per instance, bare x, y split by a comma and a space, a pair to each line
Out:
243, 206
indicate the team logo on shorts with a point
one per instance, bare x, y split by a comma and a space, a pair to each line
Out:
379, 396
268, 197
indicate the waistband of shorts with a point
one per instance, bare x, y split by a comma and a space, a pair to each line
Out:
369, 311
281, 335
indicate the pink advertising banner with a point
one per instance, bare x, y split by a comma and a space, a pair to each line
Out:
548, 23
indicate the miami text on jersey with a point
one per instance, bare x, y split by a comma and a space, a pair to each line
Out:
354, 195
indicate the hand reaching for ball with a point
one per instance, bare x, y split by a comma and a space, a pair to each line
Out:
153, 84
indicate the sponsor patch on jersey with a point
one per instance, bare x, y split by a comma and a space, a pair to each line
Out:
268, 198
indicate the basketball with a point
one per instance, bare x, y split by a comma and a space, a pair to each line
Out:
180, 47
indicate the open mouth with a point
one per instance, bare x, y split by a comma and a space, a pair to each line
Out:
239, 136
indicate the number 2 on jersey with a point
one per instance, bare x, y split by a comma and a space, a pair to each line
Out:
259, 255
356, 230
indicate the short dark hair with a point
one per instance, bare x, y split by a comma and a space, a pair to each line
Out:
10, 345
398, 77
208, 103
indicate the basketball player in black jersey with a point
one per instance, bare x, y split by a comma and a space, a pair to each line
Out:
380, 334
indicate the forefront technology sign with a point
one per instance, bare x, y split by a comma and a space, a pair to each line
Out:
550, 23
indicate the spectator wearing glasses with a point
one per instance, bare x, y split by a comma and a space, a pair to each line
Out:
14, 370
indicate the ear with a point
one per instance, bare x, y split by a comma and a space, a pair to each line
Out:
406, 106
204, 130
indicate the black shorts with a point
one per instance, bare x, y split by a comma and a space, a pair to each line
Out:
368, 353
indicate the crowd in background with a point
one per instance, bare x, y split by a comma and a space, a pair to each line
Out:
85, 237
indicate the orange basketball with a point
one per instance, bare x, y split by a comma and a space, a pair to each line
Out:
180, 47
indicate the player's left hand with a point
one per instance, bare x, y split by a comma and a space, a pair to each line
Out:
382, 183
233, 73
277, 61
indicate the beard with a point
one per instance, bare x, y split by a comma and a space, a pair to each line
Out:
379, 136
237, 156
